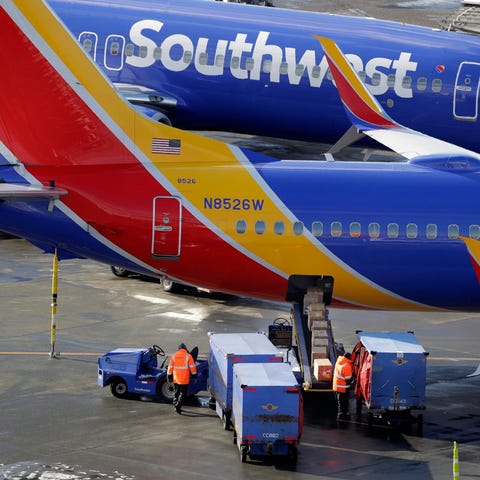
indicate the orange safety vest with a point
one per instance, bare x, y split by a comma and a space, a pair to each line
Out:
180, 366
342, 374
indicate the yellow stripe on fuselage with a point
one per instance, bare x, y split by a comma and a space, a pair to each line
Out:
217, 174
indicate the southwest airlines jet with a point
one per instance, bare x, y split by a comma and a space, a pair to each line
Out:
85, 173
206, 65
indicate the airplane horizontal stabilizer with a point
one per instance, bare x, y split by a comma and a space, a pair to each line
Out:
369, 117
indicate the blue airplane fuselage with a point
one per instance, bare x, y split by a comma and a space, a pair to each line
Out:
259, 70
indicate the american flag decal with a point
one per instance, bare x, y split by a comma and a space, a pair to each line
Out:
166, 145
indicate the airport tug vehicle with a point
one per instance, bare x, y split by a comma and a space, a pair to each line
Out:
130, 371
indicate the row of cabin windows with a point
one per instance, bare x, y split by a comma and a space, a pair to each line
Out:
115, 49
393, 230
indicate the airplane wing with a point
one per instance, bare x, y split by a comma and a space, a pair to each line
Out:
25, 192
369, 118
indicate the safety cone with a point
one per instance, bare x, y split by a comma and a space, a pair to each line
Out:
456, 469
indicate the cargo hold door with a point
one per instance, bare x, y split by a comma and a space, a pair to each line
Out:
166, 227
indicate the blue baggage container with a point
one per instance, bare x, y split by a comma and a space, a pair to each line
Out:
267, 411
227, 349
390, 371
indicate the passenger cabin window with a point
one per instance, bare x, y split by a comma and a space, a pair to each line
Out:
129, 49
453, 231
391, 80
421, 84
234, 62
202, 58
279, 228
299, 69
219, 59
376, 78
259, 227
283, 68
317, 229
407, 81
374, 230
87, 45
431, 231
114, 48
267, 66
298, 228
474, 231
336, 229
412, 230
241, 226
157, 53
316, 71
392, 230
436, 85
143, 52
355, 229
249, 63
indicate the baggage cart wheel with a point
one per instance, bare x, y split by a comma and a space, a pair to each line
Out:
292, 455
243, 453
119, 388
226, 421
165, 390
420, 424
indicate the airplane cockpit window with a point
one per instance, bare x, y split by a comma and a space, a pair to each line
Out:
336, 229
279, 228
355, 229
436, 85
431, 231
474, 231
412, 230
259, 227
421, 84
129, 49
453, 231
241, 226
374, 230
317, 229
392, 230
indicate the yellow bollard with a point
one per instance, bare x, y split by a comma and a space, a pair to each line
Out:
53, 305
456, 469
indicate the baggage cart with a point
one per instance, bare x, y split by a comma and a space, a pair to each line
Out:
267, 412
390, 371
227, 349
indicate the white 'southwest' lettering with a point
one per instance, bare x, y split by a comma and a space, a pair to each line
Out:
258, 59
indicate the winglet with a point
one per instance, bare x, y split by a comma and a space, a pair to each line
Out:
362, 107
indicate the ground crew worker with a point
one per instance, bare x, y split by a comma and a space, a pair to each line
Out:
180, 368
342, 380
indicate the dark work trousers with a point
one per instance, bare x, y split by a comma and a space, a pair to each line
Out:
343, 403
180, 395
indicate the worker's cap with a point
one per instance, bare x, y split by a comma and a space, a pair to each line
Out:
182, 346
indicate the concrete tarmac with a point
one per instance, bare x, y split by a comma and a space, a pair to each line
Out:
57, 423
